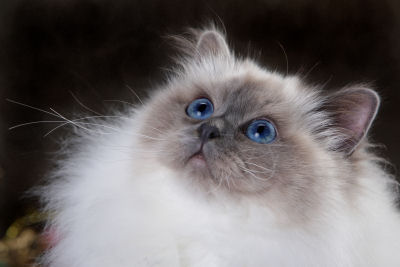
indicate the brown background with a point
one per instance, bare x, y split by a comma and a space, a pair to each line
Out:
49, 48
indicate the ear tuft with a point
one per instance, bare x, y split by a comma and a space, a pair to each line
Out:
353, 110
212, 42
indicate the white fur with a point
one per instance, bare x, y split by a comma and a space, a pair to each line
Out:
117, 208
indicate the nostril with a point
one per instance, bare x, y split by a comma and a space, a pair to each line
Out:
211, 132
207, 131
212, 135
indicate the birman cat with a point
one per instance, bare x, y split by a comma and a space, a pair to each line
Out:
227, 164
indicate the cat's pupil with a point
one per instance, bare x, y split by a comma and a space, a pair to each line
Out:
202, 107
259, 131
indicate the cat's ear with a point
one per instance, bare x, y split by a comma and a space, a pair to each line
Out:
353, 110
211, 42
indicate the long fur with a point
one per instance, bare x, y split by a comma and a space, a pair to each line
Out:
117, 200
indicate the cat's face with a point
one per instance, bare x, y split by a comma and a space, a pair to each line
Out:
204, 124
231, 158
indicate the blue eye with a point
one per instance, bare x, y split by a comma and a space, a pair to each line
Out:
261, 131
200, 109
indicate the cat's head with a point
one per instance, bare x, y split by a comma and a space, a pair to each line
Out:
230, 124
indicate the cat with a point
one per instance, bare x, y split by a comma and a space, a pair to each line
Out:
226, 164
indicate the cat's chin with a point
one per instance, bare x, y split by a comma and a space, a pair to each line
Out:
197, 164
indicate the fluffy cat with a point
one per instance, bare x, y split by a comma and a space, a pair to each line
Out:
227, 164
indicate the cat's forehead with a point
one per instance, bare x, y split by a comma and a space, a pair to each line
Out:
252, 92
243, 91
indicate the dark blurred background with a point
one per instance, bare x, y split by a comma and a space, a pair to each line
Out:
53, 50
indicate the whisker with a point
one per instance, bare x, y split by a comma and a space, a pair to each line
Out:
140, 100
255, 176
250, 170
61, 116
261, 167
85, 118
120, 101
127, 148
62, 121
55, 128
32, 107
75, 120
311, 69
53, 113
119, 131
30, 123
84, 106
286, 57
227, 181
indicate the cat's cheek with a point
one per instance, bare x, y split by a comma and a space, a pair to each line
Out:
178, 151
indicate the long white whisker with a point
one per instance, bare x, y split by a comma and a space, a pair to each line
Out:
84, 118
127, 148
134, 93
55, 128
30, 123
119, 131
61, 116
255, 176
250, 170
35, 108
261, 167
83, 105
63, 121
286, 58
120, 101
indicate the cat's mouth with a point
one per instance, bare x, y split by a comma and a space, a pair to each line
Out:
198, 160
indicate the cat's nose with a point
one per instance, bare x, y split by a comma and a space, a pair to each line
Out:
207, 132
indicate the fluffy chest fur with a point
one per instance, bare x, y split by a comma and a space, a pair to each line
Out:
118, 213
